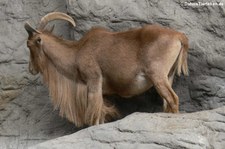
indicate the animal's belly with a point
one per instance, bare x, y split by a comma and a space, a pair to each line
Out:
132, 87
139, 85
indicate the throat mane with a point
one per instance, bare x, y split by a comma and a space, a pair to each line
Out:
67, 95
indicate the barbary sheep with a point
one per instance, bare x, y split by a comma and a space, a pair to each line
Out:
79, 73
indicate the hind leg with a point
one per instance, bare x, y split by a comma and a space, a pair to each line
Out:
170, 79
163, 87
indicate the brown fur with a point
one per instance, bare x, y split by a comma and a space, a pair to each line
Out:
79, 73
71, 96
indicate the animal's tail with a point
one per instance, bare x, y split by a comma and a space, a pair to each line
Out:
182, 65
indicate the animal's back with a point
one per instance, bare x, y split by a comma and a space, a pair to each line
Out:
119, 55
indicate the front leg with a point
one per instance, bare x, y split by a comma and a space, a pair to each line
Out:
97, 111
94, 114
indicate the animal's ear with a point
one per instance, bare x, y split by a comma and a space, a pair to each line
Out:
30, 30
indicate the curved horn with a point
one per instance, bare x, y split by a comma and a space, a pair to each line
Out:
30, 29
55, 16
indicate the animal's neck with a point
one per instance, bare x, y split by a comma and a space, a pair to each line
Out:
61, 55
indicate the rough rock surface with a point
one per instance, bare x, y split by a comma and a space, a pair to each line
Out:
200, 130
204, 26
30, 119
204, 89
14, 54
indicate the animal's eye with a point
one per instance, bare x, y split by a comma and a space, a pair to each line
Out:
38, 41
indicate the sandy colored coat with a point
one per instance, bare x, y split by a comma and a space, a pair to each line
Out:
79, 73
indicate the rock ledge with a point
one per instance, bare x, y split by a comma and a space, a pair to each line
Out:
200, 130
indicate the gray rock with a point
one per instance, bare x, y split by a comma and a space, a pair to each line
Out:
14, 54
204, 26
26, 114
30, 119
200, 130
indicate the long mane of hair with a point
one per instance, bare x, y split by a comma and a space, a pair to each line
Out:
69, 96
